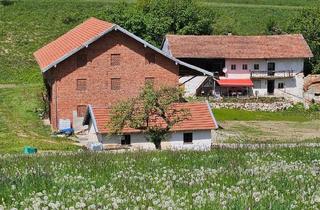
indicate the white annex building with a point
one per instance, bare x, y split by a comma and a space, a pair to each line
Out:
243, 65
193, 133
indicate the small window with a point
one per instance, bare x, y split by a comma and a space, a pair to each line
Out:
149, 80
125, 140
81, 60
257, 84
81, 84
187, 138
245, 67
233, 67
115, 83
280, 85
316, 94
81, 110
256, 66
115, 59
150, 58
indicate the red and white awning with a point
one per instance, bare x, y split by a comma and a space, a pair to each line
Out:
235, 82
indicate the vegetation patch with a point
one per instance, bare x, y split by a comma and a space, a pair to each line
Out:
243, 115
20, 123
232, 179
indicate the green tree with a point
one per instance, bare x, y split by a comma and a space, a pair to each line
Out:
273, 28
308, 24
153, 112
152, 19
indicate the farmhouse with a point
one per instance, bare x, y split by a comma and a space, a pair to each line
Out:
192, 133
243, 65
100, 63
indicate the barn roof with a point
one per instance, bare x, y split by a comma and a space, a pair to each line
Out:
238, 47
201, 118
82, 36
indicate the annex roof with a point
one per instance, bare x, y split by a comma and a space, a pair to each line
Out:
235, 82
201, 118
82, 36
238, 47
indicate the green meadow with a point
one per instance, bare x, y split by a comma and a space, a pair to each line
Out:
219, 179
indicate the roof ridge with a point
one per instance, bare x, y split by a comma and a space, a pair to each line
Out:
213, 35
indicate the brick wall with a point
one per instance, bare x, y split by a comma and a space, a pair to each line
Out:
98, 72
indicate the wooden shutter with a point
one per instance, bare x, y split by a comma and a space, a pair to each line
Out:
115, 83
81, 84
115, 59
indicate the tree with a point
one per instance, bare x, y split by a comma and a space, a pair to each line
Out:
273, 28
308, 24
152, 19
153, 112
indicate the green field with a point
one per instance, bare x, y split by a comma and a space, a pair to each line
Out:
20, 124
220, 179
243, 115
270, 3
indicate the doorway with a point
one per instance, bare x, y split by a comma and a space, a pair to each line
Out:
271, 68
270, 87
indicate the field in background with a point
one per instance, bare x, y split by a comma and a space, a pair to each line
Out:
231, 179
243, 115
257, 3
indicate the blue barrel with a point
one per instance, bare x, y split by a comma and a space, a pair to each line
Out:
29, 150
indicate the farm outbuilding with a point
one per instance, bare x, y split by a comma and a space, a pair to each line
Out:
192, 133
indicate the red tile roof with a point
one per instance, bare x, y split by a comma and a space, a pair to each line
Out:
70, 42
201, 118
235, 82
239, 47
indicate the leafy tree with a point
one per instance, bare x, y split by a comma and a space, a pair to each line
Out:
273, 28
153, 112
308, 24
152, 19
6, 2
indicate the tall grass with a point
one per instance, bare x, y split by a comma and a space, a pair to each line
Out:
232, 179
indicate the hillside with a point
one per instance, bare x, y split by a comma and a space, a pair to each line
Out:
28, 25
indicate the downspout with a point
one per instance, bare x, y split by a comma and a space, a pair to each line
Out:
56, 99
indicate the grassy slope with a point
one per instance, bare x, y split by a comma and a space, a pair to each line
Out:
235, 178
20, 124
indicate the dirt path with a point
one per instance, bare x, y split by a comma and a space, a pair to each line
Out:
269, 131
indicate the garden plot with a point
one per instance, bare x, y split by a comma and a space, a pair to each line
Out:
220, 179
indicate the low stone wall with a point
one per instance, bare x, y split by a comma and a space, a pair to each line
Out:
270, 107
